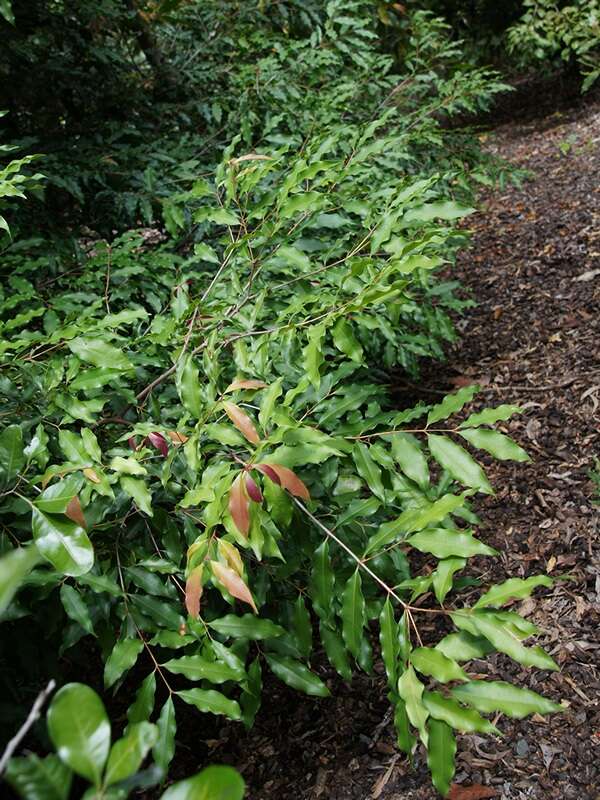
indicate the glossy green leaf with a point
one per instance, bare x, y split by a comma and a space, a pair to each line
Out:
411, 459
512, 589
213, 783
302, 626
63, 543
12, 457
35, 778
212, 702
491, 696
139, 492
335, 651
458, 463
143, 705
466, 720
197, 668
188, 386
322, 582
163, 613
368, 470
497, 444
463, 646
127, 754
443, 576
445, 542
75, 607
80, 730
404, 737
434, 663
441, 750
389, 641
246, 627
489, 416
122, 657
56, 497
353, 614
295, 674
250, 698
346, 342
15, 566
451, 404
267, 403
410, 690
99, 353
164, 749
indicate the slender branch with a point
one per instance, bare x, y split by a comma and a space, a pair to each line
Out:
32, 717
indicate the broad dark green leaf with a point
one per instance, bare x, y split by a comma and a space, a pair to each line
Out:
353, 614
295, 674
250, 698
322, 582
80, 730
99, 353
302, 627
246, 627
197, 668
458, 463
389, 641
75, 607
143, 705
15, 566
451, 404
164, 749
213, 783
122, 657
212, 702
441, 750
12, 457
63, 543
335, 650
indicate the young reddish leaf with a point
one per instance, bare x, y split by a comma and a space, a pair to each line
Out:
75, 512
158, 441
242, 384
91, 475
132, 443
267, 470
177, 438
242, 422
254, 493
474, 792
238, 505
288, 479
193, 591
233, 583
231, 555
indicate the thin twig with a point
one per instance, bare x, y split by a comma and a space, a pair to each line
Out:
32, 717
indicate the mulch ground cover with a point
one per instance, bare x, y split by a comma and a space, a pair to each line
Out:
534, 340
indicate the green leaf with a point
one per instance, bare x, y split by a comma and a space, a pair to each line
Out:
164, 614
491, 696
99, 353
466, 720
139, 492
512, 589
267, 403
496, 444
463, 646
188, 386
322, 582
127, 754
451, 404
500, 635
14, 568
35, 778
250, 699
345, 341
143, 705
335, 651
63, 543
197, 668
410, 690
353, 614
413, 463
75, 607
443, 576
458, 463
389, 640
435, 664
313, 354
12, 457
302, 627
213, 783
441, 750
122, 657
448, 210
246, 627
368, 469
295, 674
489, 416
445, 542
56, 498
164, 749
80, 730
212, 702
404, 736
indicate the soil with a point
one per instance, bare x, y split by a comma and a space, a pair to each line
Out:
533, 340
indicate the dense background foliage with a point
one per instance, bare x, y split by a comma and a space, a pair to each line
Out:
232, 247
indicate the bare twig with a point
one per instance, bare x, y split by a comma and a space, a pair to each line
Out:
32, 717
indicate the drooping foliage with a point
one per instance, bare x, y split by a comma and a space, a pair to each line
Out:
204, 472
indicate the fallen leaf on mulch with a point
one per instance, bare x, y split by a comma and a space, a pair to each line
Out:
474, 792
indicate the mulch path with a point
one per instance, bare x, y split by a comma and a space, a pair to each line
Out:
534, 340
